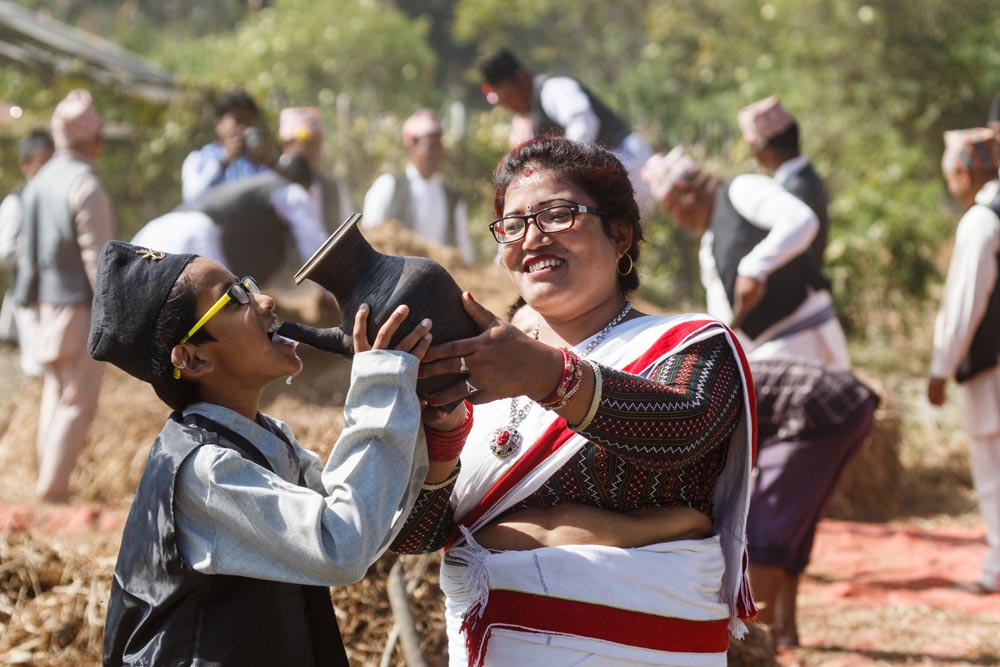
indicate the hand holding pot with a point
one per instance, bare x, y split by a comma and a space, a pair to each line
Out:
416, 342
501, 362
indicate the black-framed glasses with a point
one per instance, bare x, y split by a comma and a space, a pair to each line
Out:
239, 292
559, 218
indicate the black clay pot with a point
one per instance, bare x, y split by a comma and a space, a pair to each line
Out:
355, 273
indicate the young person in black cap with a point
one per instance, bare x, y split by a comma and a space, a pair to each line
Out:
236, 530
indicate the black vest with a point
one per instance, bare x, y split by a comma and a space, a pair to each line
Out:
330, 193
985, 346
254, 237
807, 186
162, 612
401, 208
733, 239
610, 134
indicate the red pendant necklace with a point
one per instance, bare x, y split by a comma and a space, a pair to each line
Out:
506, 439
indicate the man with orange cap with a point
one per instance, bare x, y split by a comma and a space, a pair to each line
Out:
300, 130
418, 197
773, 136
68, 216
967, 329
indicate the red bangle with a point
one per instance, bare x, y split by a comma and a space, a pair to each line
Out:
569, 383
447, 445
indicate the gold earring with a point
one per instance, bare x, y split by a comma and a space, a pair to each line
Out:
631, 265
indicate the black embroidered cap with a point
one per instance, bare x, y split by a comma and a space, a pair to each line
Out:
133, 284
499, 67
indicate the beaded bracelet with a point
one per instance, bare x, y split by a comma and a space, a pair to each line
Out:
569, 384
447, 445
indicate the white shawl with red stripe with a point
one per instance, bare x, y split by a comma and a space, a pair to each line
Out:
488, 486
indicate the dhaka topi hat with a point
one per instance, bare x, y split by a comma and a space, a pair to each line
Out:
75, 120
663, 173
421, 124
975, 148
133, 284
300, 123
763, 120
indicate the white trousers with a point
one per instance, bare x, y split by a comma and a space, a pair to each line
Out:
985, 460
522, 649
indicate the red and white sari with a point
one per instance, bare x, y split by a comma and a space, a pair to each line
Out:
673, 603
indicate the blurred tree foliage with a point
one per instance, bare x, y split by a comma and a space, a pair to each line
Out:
873, 84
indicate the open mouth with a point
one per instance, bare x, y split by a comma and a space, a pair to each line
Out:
276, 338
545, 263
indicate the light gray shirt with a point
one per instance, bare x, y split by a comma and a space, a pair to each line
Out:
235, 517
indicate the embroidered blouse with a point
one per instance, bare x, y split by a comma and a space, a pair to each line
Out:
655, 442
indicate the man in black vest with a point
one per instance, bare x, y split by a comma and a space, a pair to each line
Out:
18, 323
249, 225
756, 266
967, 329
559, 104
773, 136
300, 130
418, 197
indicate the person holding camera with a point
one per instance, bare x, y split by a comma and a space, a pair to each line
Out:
228, 158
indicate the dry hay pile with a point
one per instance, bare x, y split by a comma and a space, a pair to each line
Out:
754, 650
128, 418
366, 619
868, 488
52, 603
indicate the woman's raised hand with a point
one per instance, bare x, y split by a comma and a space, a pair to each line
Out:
500, 362
416, 342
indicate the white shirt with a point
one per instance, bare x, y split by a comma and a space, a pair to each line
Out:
294, 203
10, 229
194, 232
564, 101
429, 205
182, 232
791, 226
972, 275
790, 168
234, 517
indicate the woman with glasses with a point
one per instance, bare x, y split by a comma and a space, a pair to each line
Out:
236, 531
596, 515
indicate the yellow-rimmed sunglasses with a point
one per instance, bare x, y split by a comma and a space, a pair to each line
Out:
239, 292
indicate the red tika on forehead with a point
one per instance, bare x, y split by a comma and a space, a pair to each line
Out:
528, 171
